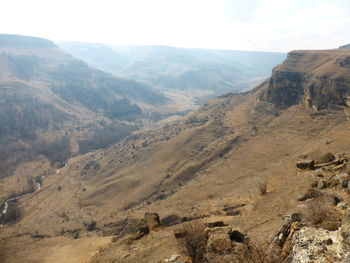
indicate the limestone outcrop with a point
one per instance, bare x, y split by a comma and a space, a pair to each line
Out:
314, 79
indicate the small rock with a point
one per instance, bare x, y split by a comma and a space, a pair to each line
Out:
345, 183
233, 213
336, 200
328, 157
223, 239
311, 193
314, 184
321, 184
174, 257
90, 226
305, 164
342, 205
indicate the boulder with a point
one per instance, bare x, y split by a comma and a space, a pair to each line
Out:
142, 227
284, 233
305, 164
224, 239
328, 157
91, 226
152, 220
219, 243
311, 193
174, 257
321, 184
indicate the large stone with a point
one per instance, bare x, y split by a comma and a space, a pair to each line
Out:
311, 193
328, 157
174, 257
279, 239
224, 239
91, 226
305, 164
152, 220
321, 184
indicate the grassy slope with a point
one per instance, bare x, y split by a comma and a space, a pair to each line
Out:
212, 158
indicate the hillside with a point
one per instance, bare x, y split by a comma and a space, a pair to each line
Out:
345, 46
53, 106
205, 166
179, 69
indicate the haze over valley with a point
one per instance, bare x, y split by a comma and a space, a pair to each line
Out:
186, 132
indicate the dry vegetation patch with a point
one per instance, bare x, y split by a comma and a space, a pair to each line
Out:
319, 213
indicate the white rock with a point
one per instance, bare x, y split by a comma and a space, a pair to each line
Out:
174, 257
317, 245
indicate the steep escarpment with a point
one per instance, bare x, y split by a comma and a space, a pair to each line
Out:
314, 79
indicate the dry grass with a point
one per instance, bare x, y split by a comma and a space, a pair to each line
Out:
321, 214
255, 252
262, 187
194, 243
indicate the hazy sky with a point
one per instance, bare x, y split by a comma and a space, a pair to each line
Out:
270, 25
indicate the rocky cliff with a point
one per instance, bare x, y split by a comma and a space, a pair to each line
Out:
315, 79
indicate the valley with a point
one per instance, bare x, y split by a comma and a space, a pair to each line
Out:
198, 74
204, 167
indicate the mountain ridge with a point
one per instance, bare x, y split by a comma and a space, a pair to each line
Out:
53, 105
179, 68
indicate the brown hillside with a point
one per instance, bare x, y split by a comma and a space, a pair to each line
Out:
211, 159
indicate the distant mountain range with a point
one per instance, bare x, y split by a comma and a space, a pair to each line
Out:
164, 67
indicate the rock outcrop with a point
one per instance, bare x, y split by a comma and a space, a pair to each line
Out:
315, 79
225, 239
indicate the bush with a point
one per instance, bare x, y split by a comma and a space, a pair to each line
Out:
262, 187
12, 215
321, 214
193, 244
255, 252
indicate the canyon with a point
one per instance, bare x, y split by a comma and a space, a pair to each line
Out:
203, 167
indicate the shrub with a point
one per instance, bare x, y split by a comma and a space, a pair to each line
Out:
193, 244
319, 213
262, 187
255, 252
12, 215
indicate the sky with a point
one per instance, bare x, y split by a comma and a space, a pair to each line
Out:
264, 25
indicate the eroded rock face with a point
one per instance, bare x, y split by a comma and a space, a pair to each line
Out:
316, 245
315, 79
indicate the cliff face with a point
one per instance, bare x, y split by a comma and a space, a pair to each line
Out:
315, 79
